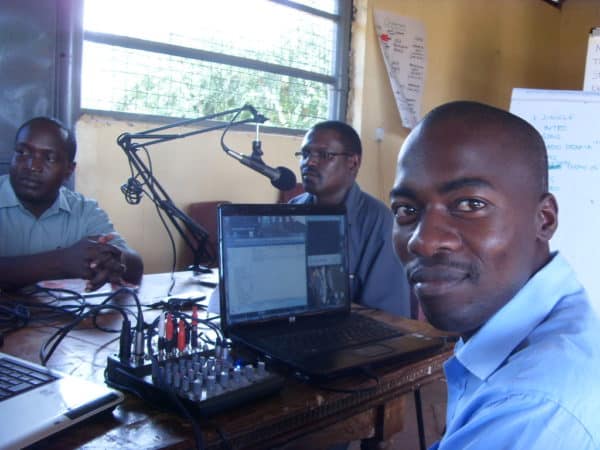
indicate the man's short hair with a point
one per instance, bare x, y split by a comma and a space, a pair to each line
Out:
70, 142
348, 135
522, 133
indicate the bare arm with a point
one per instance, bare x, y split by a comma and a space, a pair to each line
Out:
92, 258
19, 271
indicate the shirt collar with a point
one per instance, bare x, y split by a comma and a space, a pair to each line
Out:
489, 347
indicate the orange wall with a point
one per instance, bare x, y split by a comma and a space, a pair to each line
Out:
578, 17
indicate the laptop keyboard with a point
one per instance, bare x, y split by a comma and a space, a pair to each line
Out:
16, 378
335, 335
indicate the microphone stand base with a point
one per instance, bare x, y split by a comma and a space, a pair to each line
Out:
198, 269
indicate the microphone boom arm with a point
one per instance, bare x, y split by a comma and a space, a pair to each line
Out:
192, 233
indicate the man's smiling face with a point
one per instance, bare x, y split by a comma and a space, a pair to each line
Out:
467, 221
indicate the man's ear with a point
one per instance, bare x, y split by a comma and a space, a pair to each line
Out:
69, 171
354, 162
547, 217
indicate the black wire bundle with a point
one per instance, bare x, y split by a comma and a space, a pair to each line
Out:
51, 307
16, 315
53, 341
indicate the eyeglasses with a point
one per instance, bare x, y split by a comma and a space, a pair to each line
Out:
320, 155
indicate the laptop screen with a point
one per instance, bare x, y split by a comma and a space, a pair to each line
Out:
281, 261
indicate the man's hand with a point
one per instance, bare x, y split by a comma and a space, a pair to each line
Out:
107, 267
93, 258
96, 260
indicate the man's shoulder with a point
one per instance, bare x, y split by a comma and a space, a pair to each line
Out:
362, 198
87, 213
374, 202
5, 187
559, 355
8, 197
557, 369
77, 202
74, 198
367, 206
4, 182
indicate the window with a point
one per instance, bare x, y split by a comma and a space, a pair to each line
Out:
190, 58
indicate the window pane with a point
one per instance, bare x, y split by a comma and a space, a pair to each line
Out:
254, 29
329, 6
118, 79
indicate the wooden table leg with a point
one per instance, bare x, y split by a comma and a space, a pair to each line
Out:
389, 420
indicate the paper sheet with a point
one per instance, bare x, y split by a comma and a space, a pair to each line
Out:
402, 43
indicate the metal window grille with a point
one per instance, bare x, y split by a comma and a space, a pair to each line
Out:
287, 58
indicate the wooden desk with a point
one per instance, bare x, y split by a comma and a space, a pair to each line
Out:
301, 416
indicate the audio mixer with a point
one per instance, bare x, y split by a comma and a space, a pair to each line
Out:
174, 369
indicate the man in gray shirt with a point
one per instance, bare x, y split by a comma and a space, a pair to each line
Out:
329, 162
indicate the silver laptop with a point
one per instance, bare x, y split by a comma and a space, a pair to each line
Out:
284, 291
37, 402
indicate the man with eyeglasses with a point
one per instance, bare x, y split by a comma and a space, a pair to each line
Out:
329, 162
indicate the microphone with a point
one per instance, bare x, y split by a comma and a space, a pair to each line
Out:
132, 190
281, 178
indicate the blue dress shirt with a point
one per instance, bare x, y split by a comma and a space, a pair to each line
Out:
530, 377
71, 218
378, 278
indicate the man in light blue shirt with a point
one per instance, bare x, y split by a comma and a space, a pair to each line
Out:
47, 231
473, 222
329, 161
64, 223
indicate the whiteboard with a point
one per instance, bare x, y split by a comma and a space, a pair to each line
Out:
569, 122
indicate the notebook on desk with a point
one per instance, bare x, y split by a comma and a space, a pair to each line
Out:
284, 291
38, 402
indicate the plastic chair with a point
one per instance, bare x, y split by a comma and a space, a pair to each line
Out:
205, 214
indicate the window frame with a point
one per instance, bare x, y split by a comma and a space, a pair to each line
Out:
339, 81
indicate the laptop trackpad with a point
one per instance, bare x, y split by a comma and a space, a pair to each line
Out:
371, 350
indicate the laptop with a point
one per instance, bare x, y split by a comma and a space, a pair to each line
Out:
285, 288
38, 402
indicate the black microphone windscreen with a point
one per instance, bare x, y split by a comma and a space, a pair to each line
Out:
132, 190
286, 180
